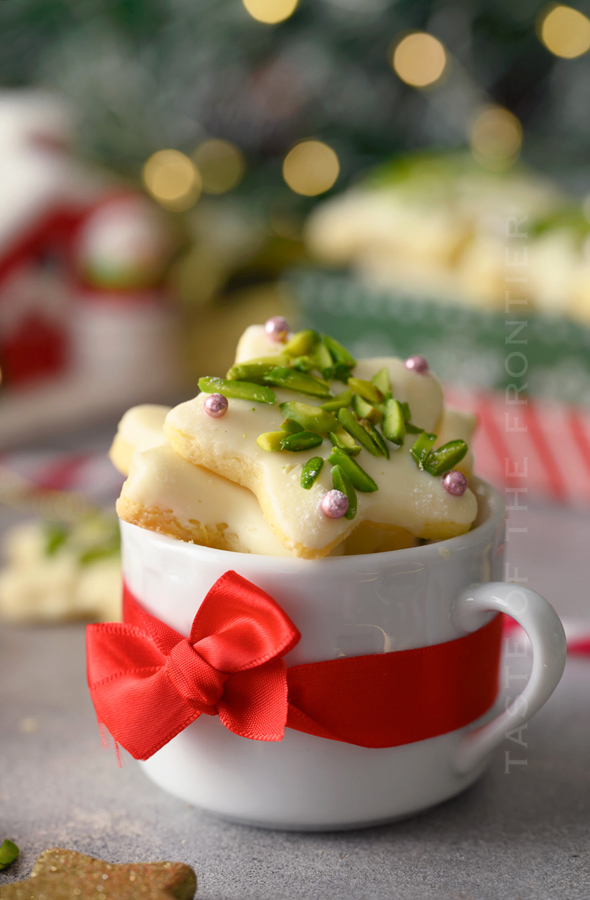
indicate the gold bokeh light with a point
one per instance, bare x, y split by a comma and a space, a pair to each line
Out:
565, 31
311, 168
172, 179
221, 165
496, 138
270, 11
419, 59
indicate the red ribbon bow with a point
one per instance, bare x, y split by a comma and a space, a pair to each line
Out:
148, 683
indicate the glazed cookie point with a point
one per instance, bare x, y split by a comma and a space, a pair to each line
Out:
277, 329
140, 428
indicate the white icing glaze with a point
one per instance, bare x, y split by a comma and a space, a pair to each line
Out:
143, 425
423, 392
254, 343
162, 480
140, 428
407, 497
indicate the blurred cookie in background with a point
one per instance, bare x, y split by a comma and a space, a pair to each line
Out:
56, 571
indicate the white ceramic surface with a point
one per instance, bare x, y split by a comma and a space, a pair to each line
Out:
344, 606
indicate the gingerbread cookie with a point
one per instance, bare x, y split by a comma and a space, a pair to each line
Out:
64, 874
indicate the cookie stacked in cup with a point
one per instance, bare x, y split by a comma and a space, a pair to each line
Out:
301, 451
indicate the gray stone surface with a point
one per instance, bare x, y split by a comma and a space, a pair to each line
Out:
518, 835
513, 836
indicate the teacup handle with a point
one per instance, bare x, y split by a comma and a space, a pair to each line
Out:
547, 637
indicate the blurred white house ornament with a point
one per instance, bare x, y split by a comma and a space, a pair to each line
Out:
123, 244
85, 326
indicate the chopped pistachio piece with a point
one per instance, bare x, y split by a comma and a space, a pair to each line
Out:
341, 438
405, 407
382, 382
303, 440
8, 853
237, 390
100, 552
254, 369
394, 422
337, 402
312, 418
297, 381
302, 363
56, 535
446, 457
359, 479
279, 359
290, 426
366, 390
377, 438
252, 372
322, 359
270, 440
339, 354
302, 342
338, 372
364, 410
341, 482
421, 449
310, 472
356, 430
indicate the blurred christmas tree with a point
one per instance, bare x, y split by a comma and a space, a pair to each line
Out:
273, 103
151, 74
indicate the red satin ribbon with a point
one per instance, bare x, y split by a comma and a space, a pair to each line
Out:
148, 682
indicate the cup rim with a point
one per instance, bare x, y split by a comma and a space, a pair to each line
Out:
235, 560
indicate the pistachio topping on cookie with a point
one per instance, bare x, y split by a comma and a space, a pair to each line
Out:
350, 418
377, 417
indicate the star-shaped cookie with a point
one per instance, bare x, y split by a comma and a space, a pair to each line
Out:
67, 875
407, 497
167, 494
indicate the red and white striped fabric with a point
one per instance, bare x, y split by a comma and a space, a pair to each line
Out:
550, 450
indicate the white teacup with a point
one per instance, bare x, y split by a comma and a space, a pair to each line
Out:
352, 606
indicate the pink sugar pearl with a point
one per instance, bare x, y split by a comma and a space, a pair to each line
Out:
334, 504
417, 364
277, 328
215, 405
455, 483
